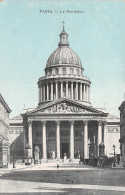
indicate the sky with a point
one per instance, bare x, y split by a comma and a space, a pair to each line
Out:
28, 37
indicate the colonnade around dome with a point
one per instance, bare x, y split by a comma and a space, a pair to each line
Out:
53, 90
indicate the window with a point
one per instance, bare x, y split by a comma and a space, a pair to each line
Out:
64, 71
71, 71
56, 71
48, 72
53, 71
77, 72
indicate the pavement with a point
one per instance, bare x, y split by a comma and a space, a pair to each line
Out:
44, 166
17, 167
52, 166
33, 187
70, 178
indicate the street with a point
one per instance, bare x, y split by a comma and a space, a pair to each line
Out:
78, 179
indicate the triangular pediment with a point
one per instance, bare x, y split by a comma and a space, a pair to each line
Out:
65, 105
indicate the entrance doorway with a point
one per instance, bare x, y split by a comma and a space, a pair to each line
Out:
65, 149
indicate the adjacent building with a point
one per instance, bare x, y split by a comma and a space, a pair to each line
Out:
122, 131
4, 133
113, 135
16, 138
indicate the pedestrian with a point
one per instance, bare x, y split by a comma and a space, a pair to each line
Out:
57, 163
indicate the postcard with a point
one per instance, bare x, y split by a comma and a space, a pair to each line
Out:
62, 86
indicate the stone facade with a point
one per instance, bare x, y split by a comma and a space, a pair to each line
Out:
113, 135
16, 138
122, 131
65, 123
4, 133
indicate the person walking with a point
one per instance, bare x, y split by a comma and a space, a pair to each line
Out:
57, 163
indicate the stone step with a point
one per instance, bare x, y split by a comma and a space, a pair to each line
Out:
75, 161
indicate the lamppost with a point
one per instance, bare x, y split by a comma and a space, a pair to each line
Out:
89, 147
13, 156
114, 165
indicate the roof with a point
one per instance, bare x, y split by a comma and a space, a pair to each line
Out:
46, 108
64, 55
17, 119
112, 118
4, 103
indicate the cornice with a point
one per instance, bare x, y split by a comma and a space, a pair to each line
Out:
63, 65
60, 78
4, 103
2, 121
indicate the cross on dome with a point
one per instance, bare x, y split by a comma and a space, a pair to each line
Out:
63, 37
63, 24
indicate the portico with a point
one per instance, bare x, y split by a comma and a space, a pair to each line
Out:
55, 132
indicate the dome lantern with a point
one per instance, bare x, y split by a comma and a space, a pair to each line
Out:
63, 38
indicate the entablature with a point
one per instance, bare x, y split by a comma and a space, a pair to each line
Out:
62, 78
66, 118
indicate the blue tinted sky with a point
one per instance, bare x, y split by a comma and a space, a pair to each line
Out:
28, 38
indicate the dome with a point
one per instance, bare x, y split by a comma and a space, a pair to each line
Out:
63, 55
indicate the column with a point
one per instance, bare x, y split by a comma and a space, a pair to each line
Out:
72, 90
84, 93
86, 155
80, 91
76, 91
58, 138
44, 140
39, 95
44, 92
56, 90
25, 133
61, 89
99, 134
105, 136
67, 89
87, 93
47, 91
30, 139
72, 140
51, 91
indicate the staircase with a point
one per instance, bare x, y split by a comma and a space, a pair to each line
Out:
75, 161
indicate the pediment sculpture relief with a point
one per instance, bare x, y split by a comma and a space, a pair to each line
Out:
64, 107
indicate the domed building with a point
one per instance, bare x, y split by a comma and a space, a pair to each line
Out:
63, 76
64, 123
